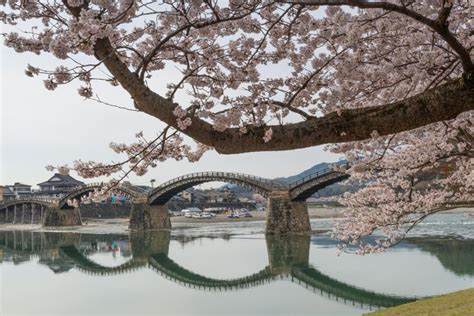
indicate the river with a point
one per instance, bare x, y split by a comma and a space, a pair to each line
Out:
227, 269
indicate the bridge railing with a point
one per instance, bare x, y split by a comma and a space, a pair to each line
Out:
234, 175
316, 175
103, 184
91, 185
32, 198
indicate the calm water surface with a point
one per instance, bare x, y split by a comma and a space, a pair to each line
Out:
227, 269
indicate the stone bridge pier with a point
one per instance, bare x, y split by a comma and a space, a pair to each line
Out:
286, 216
55, 216
144, 216
283, 215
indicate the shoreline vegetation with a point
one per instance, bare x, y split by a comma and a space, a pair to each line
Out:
456, 303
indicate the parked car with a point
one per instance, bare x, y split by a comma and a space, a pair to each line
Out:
205, 215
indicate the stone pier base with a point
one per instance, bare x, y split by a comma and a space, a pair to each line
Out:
286, 216
54, 217
149, 217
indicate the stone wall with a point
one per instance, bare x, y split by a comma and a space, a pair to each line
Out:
55, 217
178, 206
115, 210
149, 217
3, 215
107, 210
286, 216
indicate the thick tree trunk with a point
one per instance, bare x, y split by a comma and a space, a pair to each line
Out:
441, 103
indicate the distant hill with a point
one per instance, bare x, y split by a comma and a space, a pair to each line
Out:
307, 172
332, 190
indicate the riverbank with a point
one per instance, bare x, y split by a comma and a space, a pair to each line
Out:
120, 225
313, 212
221, 221
457, 303
319, 212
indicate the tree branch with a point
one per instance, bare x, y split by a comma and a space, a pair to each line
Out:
444, 102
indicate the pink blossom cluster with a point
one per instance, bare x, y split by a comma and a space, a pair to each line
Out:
327, 62
407, 176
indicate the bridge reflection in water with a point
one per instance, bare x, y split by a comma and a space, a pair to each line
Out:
288, 259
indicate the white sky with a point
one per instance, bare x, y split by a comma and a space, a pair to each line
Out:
41, 127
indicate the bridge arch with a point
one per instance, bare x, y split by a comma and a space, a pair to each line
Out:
169, 269
163, 193
84, 264
30, 201
307, 186
84, 190
25, 210
305, 275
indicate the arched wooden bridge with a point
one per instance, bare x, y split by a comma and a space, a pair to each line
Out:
287, 210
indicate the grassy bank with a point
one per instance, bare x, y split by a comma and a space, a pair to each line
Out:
458, 303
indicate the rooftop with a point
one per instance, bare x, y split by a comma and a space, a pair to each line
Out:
58, 178
18, 184
7, 191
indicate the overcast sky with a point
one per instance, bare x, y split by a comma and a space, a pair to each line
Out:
41, 127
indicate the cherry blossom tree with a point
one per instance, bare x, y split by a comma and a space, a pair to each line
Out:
390, 84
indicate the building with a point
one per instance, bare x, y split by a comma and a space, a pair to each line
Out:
193, 196
228, 195
214, 196
17, 190
58, 185
186, 195
6, 194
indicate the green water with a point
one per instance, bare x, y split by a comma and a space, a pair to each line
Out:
196, 272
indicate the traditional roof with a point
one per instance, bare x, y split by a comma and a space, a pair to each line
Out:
50, 192
18, 184
7, 191
61, 179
